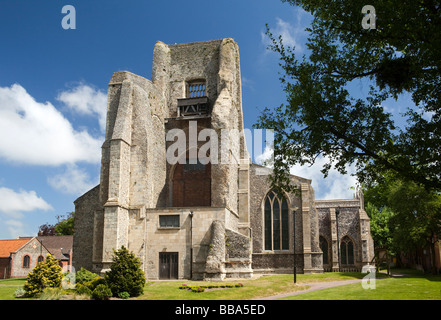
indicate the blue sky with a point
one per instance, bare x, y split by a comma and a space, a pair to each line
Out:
53, 85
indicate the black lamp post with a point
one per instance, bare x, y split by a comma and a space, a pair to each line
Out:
191, 244
294, 243
337, 212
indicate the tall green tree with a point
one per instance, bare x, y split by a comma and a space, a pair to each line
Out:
125, 274
404, 215
380, 225
323, 118
47, 274
417, 219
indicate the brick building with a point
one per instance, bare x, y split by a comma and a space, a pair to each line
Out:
19, 256
192, 211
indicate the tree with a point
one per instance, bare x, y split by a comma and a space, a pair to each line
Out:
380, 225
47, 274
63, 227
417, 219
125, 274
404, 215
46, 230
322, 117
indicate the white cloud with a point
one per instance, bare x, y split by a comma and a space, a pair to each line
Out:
15, 228
72, 181
293, 35
289, 33
88, 101
32, 132
335, 186
13, 203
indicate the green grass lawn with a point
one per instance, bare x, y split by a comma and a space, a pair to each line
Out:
261, 287
8, 287
264, 286
414, 286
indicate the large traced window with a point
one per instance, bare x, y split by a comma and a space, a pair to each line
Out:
347, 251
276, 221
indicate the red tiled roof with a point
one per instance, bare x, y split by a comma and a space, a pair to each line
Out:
8, 246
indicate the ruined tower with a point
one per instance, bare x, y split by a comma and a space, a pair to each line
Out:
178, 189
171, 209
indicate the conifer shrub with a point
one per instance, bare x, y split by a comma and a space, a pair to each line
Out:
124, 295
101, 292
84, 275
46, 274
82, 289
92, 284
125, 274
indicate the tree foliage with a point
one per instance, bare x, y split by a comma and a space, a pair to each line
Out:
380, 225
125, 274
323, 118
63, 227
416, 222
404, 215
47, 274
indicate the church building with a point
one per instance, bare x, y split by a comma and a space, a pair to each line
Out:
189, 211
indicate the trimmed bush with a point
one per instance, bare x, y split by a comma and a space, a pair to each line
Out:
83, 289
124, 295
125, 274
101, 292
92, 284
47, 274
84, 275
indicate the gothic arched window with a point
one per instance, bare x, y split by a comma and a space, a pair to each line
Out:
26, 261
324, 247
40, 259
276, 221
347, 251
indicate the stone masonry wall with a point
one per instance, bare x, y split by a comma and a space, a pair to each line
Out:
84, 222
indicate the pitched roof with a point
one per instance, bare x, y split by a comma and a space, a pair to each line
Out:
11, 245
58, 246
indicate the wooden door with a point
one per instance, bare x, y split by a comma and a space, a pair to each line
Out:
168, 265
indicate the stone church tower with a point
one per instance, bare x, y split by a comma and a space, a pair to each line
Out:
191, 213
